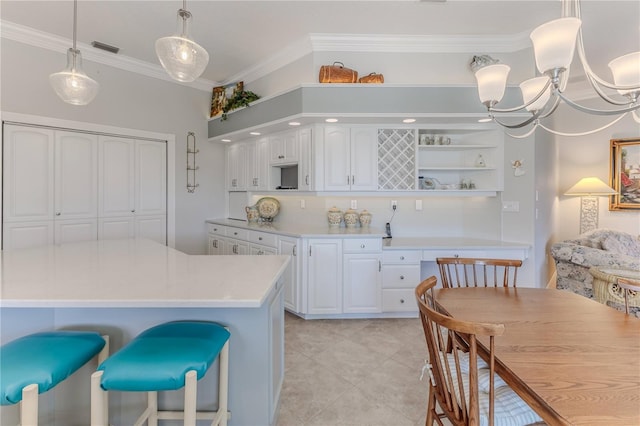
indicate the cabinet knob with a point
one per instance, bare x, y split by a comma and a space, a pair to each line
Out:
456, 256
133, 211
402, 277
401, 257
235, 233
401, 300
362, 245
281, 156
58, 214
259, 238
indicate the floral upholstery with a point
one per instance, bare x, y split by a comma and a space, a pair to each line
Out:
601, 248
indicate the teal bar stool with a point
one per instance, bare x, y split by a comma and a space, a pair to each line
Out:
36, 363
166, 357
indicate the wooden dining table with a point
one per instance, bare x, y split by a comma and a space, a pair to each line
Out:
573, 360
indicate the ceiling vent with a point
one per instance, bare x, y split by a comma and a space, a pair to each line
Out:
103, 46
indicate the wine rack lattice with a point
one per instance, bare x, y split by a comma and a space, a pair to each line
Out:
396, 159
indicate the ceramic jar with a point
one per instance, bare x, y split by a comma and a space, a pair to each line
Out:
350, 218
334, 216
253, 215
365, 218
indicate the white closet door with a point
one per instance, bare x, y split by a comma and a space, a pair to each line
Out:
76, 175
152, 227
117, 179
115, 228
27, 174
18, 235
151, 178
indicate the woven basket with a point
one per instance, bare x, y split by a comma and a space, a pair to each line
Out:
372, 78
337, 73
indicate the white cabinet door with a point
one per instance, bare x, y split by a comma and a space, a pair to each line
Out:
28, 167
325, 276
18, 235
116, 228
73, 231
76, 175
257, 250
237, 247
289, 246
337, 173
116, 186
236, 167
363, 157
151, 178
283, 148
152, 227
257, 155
305, 164
362, 285
216, 245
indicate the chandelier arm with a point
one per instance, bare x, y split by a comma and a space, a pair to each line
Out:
546, 86
582, 108
530, 120
596, 87
524, 135
636, 117
556, 103
589, 132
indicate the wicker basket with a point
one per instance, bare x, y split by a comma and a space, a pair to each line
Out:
337, 73
372, 78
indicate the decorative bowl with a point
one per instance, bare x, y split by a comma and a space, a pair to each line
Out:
268, 208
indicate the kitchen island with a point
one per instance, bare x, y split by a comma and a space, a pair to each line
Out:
120, 288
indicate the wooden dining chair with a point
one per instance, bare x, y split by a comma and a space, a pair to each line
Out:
628, 285
465, 387
472, 272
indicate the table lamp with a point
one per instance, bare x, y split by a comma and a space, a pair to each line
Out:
589, 189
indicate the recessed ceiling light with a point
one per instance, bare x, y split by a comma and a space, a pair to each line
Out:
254, 133
294, 123
225, 140
409, 120
484, 120
331, 120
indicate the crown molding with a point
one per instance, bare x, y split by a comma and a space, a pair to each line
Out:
41, 39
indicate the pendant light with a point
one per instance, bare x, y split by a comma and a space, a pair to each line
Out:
72, 85
182, 58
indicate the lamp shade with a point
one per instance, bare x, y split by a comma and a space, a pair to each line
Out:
531, 88
554, 43
182, 58
72, 85
626, 71
590, 186
492, 81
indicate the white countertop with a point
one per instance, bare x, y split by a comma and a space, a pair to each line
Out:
134, 273
448, 243
306, 231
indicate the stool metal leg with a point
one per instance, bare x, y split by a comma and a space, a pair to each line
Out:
29, 405
99, 401
223, 385
190, 397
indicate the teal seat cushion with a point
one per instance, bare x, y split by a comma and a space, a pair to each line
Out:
159, 358
44, 359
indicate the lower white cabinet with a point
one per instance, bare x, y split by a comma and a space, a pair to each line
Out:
362, 283
73, 231
18, 235
400, 276
292, 293
216, 245
324, 276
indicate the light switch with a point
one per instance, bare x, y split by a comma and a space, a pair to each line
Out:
510, 206
418, 204
354, 204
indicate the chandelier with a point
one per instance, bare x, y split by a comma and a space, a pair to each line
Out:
182, 58
554, 45
72, 85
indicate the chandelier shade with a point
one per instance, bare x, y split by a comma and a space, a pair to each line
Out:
531, 88
492, 81
72, 84
554, 43
626, 72
182, 58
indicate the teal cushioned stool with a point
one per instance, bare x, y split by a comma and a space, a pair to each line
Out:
36, 363
166, 357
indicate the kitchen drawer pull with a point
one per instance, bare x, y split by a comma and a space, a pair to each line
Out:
259, 238
362, 246
295, 251
402, 277
235, 233
401, 257
401, 300
306, 179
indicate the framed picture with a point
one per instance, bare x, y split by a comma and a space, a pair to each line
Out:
624, 174
218, 100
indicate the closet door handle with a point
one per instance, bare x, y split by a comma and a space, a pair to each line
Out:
295, 251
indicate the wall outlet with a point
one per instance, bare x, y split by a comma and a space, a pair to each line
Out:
418, 205
510, 206
354, 204
394, 204
303, 204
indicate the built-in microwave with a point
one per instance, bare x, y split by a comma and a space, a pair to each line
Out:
284, 176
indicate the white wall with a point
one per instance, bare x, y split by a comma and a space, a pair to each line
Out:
132, 101
586, 156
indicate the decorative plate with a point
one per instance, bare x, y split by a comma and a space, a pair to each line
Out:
268, 207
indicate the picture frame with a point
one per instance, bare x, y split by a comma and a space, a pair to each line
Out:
221, 96
624, 174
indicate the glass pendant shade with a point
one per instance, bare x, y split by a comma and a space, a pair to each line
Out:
626, 71
182, 58
554, 43
492, 82
531, 88
72, 85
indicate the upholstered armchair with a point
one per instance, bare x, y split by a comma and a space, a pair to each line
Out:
603, 248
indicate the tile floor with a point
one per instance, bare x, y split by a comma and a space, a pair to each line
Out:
353, 372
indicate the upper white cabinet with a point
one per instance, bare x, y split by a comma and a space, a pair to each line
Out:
350, 159
257, 165
460, 160
283, 148
306, 177
236, 167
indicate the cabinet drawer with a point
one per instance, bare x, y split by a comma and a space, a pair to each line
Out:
399, 300
401, 257
238, 233
263, 238
400, 276
432, 255
217, 229
362, 245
